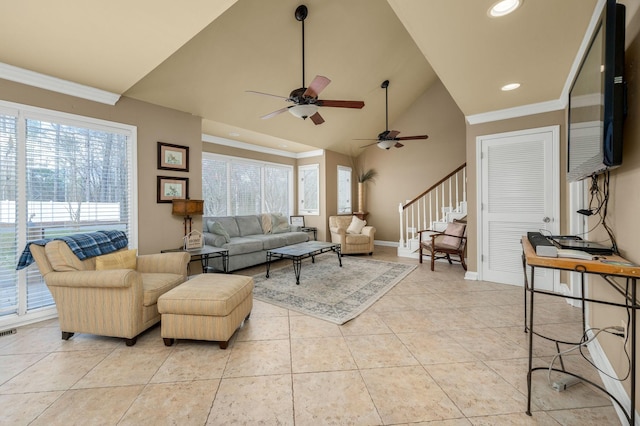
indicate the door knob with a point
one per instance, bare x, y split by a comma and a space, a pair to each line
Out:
546, 219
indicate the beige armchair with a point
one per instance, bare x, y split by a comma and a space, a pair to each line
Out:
113, 302
351, 243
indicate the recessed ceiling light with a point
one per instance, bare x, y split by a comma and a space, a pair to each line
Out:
234, 134
510, 86
504, 7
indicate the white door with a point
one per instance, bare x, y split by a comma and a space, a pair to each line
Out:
519, 192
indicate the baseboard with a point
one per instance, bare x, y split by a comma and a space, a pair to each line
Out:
385, 243
612, 386
471, 275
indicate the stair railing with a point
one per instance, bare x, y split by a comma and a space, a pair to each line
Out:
433, 204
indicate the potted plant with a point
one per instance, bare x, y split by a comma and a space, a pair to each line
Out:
363, 175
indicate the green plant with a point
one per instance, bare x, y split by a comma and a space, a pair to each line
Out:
362, 173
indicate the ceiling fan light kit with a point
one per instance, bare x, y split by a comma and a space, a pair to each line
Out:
305, 99
385, 144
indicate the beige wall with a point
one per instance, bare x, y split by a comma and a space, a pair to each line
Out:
622, 216
403, 173
158, 229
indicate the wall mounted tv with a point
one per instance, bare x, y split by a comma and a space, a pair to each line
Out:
597, 104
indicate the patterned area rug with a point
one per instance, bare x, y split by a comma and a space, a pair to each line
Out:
326, 290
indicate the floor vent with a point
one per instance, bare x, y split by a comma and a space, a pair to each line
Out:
8, 332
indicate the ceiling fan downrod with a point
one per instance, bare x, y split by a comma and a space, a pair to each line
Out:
301, 15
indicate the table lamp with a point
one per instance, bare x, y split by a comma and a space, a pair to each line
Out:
187, 208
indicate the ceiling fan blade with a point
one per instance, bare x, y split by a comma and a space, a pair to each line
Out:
368, 145
408, 138
398, 145
340, 104
317, 85
317, 118
265, 94
392, 134
274, 113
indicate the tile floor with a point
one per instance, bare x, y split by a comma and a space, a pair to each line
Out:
435, 350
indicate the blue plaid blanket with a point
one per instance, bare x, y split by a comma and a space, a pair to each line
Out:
84, 246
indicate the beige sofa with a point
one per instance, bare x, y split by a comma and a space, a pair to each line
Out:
351, 243
114, 302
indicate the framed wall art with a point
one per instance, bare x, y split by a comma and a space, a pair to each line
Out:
297, 221
170, 188
173, 157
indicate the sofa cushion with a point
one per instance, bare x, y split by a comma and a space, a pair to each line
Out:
270, 241
241, 245
124, 259
279, 224
214, 240
155, 285
265, 219
249, 225
216, 227
61, 257
295, 237
453, 232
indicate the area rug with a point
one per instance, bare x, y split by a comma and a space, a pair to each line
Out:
326, 290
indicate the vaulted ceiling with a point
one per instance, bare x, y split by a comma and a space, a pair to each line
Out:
203, 56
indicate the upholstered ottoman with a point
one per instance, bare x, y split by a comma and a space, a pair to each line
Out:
206, 307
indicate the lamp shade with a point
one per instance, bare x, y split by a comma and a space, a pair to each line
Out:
303, 111
187, 207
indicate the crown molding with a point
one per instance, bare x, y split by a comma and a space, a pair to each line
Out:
257, 148
520, 111
35, 79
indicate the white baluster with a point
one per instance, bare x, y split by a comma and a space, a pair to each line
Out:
401, 243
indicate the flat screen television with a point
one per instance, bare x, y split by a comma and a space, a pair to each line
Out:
597, 104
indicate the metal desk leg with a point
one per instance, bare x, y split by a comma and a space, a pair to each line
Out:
225, 262
530, 341
339, 256
268, 262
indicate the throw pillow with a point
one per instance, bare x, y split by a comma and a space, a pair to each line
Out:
266, 222
217, 228
453, 232
356, 225
279, 224
124, 259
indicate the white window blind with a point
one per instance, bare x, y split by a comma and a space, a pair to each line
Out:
344, 189
234, 186
77, 175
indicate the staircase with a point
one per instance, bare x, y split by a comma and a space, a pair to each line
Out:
442, 203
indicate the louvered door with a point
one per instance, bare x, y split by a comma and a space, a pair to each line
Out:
519, 193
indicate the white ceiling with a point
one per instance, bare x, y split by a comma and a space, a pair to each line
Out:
203, 58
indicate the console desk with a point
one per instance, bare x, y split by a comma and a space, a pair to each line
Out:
595, 267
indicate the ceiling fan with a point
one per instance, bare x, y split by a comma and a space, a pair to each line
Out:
389, 138
305, 99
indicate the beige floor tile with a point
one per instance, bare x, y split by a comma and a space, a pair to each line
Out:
265, 400
257, 358
193, 361
304, 326
412, 284
586, 416
452, 319
476, 389
435, 347
383, 350
407, 321
320, 354
408, 394
264, 328
487, 344
56, 371
33, 340
23, 408
339, 398
367, 323
425, 301
390, 303
184, 403
522, 418
12, 365
88, 407
503, 316
261, 309
128, 365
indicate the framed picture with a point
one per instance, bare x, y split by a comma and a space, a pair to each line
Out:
297, 221
170, 188
194, 240
173, 157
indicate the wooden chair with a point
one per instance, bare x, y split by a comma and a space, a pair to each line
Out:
441, 245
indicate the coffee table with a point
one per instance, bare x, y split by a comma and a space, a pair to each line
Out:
298, 252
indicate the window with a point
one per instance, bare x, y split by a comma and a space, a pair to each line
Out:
61, 174
344, 189
234, 186
309, 189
